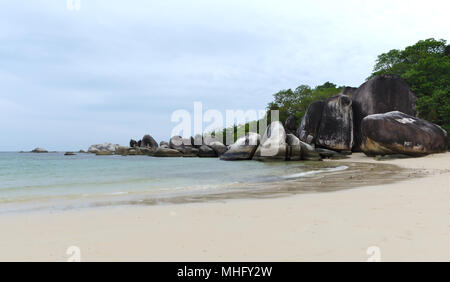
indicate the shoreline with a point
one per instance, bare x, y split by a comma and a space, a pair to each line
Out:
293, 178
407, 220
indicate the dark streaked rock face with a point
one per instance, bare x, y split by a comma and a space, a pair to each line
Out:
290, 125
399, 133
133, 143
273, 144
148, 141
243, 149
381, 94
307, 131
336, 125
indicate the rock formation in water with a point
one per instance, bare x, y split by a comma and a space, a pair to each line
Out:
149, 142
39, 150
381, 94
122, 150
399, 133
106, 147
218, 147
273, 144
206, 152
243, 149
167, 153
336, 125
184, 145
293, 149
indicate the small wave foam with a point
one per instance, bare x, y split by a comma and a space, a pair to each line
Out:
314, 172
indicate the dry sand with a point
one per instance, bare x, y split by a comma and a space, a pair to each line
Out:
407, 221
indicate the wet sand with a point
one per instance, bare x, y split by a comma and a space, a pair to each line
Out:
401, 208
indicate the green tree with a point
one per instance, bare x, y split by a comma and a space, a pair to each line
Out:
297, 101
426, 67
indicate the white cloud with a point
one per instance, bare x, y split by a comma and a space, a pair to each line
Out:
115, 64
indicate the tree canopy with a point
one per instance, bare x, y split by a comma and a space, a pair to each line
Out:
426, 67
296, 101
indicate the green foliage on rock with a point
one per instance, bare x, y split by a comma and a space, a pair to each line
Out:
296, 101
426, 67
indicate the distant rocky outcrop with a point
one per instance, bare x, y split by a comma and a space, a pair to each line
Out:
184, 145
122, 150
206, 152
218, 147
381, 94
106, 147
69, 154
399, 133
39, 150
133, 143
336, 125
167, 153
149, 142
103, 153
243, 149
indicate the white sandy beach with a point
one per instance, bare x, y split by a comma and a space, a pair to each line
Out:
408, 221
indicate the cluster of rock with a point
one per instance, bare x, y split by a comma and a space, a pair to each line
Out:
199, 146
377, 118
39, 150
103, 149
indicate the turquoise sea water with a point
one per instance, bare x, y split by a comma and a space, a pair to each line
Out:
47, 181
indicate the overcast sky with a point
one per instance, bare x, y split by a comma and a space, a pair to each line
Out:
115, 70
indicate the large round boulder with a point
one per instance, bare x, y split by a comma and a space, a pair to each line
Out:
243, 149
399, 133
149, 142
309, 126
381, 94
336, 125
273, 144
